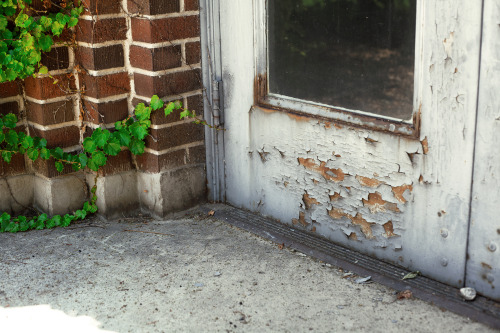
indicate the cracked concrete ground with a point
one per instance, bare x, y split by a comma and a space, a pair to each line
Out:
190, 274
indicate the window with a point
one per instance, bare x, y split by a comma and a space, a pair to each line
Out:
351, 60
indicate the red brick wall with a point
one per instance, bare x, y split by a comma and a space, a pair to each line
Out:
127, 51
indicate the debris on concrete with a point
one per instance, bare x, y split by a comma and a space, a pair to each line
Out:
411, 275
363, 280
469, 294
405, 294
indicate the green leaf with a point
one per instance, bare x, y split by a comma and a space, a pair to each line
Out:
7, 156
10, 120
83, 159
12, 138
138, 130
177, 105
142, 112
57, 153
100, 137
3, 22
411, 275
45, 42
89, 145
81, 214
57, 28
156, 102
137, 146
118, 125
27, 142
33, 153
59, 166
169, 108
112, 147
67, 219
72, 22
123, 136
99, 158
43, 70
45, 153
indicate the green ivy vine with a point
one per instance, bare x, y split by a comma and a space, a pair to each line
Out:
129, 133
26, 32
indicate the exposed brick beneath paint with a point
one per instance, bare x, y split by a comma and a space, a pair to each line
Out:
168, 84
191, 5
106, 85
57, 58
155, 59
105, 113
158, 163
101, 7
196, 155
174, 136
167, 29
102, 30
100, 58
9, 107
119, 163
193, 53
52, 113
44, 88
48, 169
59, 137
16, 166
9, 89
153, 7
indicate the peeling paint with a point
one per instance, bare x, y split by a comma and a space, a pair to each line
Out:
357, 220
400, 190
376, 204
425, 145
309, 201
336, 175
301, 220
353, 236
389, 230
369, 182
335, 196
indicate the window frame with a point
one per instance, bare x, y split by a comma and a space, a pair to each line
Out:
264, 99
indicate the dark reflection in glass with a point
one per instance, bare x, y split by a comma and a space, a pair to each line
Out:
355, 54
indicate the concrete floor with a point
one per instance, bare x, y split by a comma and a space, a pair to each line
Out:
190, 274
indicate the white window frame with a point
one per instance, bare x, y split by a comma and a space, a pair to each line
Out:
264, 99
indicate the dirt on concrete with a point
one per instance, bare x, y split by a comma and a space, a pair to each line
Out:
193, 273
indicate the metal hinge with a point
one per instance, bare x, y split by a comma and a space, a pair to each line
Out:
217, 94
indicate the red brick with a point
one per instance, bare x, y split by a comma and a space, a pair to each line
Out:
155, 59
57, 58
101, 57
15, 167
157, 163
193, 53
196, 155
119, 163
59, 137
52, 113
102, 30
106, 85
45, 88
168, 84
9, 89
101, 7
9, 107
195, 103
191, 5
174, 136
153, 7
48, 168
105, 113
166, 29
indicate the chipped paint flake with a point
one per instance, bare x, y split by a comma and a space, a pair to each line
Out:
353, 236
336, 213
335, 196
425, 145
309, 201
336, 175
400, 190
301, 220
376, 204
366, 227
389, 230
369, 182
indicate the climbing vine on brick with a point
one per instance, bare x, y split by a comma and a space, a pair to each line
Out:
26, 32
129, 133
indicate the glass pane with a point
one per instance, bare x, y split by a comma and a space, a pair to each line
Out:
354, 54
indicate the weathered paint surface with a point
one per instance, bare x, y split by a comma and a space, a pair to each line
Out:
483, 266
371, 191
